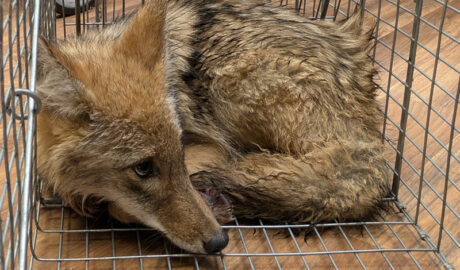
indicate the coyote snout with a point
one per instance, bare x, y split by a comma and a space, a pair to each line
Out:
174, 208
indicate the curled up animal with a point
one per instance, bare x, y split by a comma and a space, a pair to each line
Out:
268, 114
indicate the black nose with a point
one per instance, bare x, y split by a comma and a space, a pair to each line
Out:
217, 243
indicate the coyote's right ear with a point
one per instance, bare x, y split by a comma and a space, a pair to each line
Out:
144, 39
58, 90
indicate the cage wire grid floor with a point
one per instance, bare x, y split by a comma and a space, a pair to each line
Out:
416, 54
253, 246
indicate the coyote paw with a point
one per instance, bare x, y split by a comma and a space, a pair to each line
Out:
220, 206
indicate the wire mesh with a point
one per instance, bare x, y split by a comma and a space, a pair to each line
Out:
18, 19
416, 52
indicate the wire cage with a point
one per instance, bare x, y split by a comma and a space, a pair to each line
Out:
417, 54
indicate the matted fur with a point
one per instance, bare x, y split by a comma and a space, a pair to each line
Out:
273, 110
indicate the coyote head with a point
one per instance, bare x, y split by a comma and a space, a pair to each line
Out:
109, 130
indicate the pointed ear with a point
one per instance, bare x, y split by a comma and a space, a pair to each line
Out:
57, 89
144, 39
354, 24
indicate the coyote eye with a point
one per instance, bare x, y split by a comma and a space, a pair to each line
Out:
146, 169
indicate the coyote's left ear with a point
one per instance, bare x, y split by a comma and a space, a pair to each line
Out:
58, 90
354, 24
144, 39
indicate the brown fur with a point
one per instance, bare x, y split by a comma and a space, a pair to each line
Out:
275, 111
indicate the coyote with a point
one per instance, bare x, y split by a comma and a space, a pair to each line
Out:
268, 114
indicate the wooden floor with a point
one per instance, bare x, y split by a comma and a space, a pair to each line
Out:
54, 245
